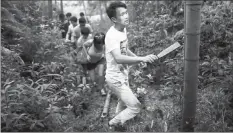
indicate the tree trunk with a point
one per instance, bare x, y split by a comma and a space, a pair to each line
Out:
44, 9
184, 25
84, 8
105, 4
157, 6
61, 4
50, 9
101, 12
193, 22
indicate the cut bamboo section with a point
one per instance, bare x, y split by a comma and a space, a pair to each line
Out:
106, 105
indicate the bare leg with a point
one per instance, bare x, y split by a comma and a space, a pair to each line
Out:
101, 79
92, 76
84, 78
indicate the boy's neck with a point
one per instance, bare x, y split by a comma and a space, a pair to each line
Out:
85, 37
119, 27
98, 49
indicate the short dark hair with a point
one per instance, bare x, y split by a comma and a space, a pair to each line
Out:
99, 39
85, 31
61, 16
81, 14
68, 14
111, 9
82, 20
74, 19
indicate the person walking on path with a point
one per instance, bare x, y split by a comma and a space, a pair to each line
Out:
83, 16
94, 50
85, 36
67, 24
118, 57
73, 31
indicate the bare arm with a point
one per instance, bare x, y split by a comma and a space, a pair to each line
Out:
90, 28
124, 59
67, 34
78, 43
87, 44
76, 35
130, 53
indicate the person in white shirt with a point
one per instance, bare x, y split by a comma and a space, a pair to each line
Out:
83, 16
83, 23
66, 25
73, 31
118, 57
85, 36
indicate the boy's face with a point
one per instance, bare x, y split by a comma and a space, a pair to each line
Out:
85, 36
73, 23
122, 16
82, 24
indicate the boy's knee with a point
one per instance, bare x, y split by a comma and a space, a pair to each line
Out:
101, 77
137, 108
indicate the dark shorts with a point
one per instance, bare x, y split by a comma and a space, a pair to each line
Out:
91, 66
73, 45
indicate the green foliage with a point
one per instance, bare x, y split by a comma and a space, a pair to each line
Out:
46, 94
215, 54
44, 103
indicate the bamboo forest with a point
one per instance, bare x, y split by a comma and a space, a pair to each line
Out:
188, 87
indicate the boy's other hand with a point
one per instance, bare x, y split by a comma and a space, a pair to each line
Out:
150, 58
67, 41
88, 57
142, 65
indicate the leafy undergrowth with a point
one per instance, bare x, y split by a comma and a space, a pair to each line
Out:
214, 103
47, 95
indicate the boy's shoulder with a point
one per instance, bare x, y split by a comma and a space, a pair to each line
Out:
71, 26
76, 27
110, 33
89, 36
80, 38
87, 25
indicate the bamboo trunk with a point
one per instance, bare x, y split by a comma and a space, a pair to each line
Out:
106, 105
101, 12
84, 8
157, 6
193, 22
43, 9
50, 9
61, 4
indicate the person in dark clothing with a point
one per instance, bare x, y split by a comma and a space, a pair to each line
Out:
66, 25
82, 16
62, 17
62, 25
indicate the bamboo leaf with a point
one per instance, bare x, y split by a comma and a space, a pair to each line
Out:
32, 125
40, 124
14, 91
